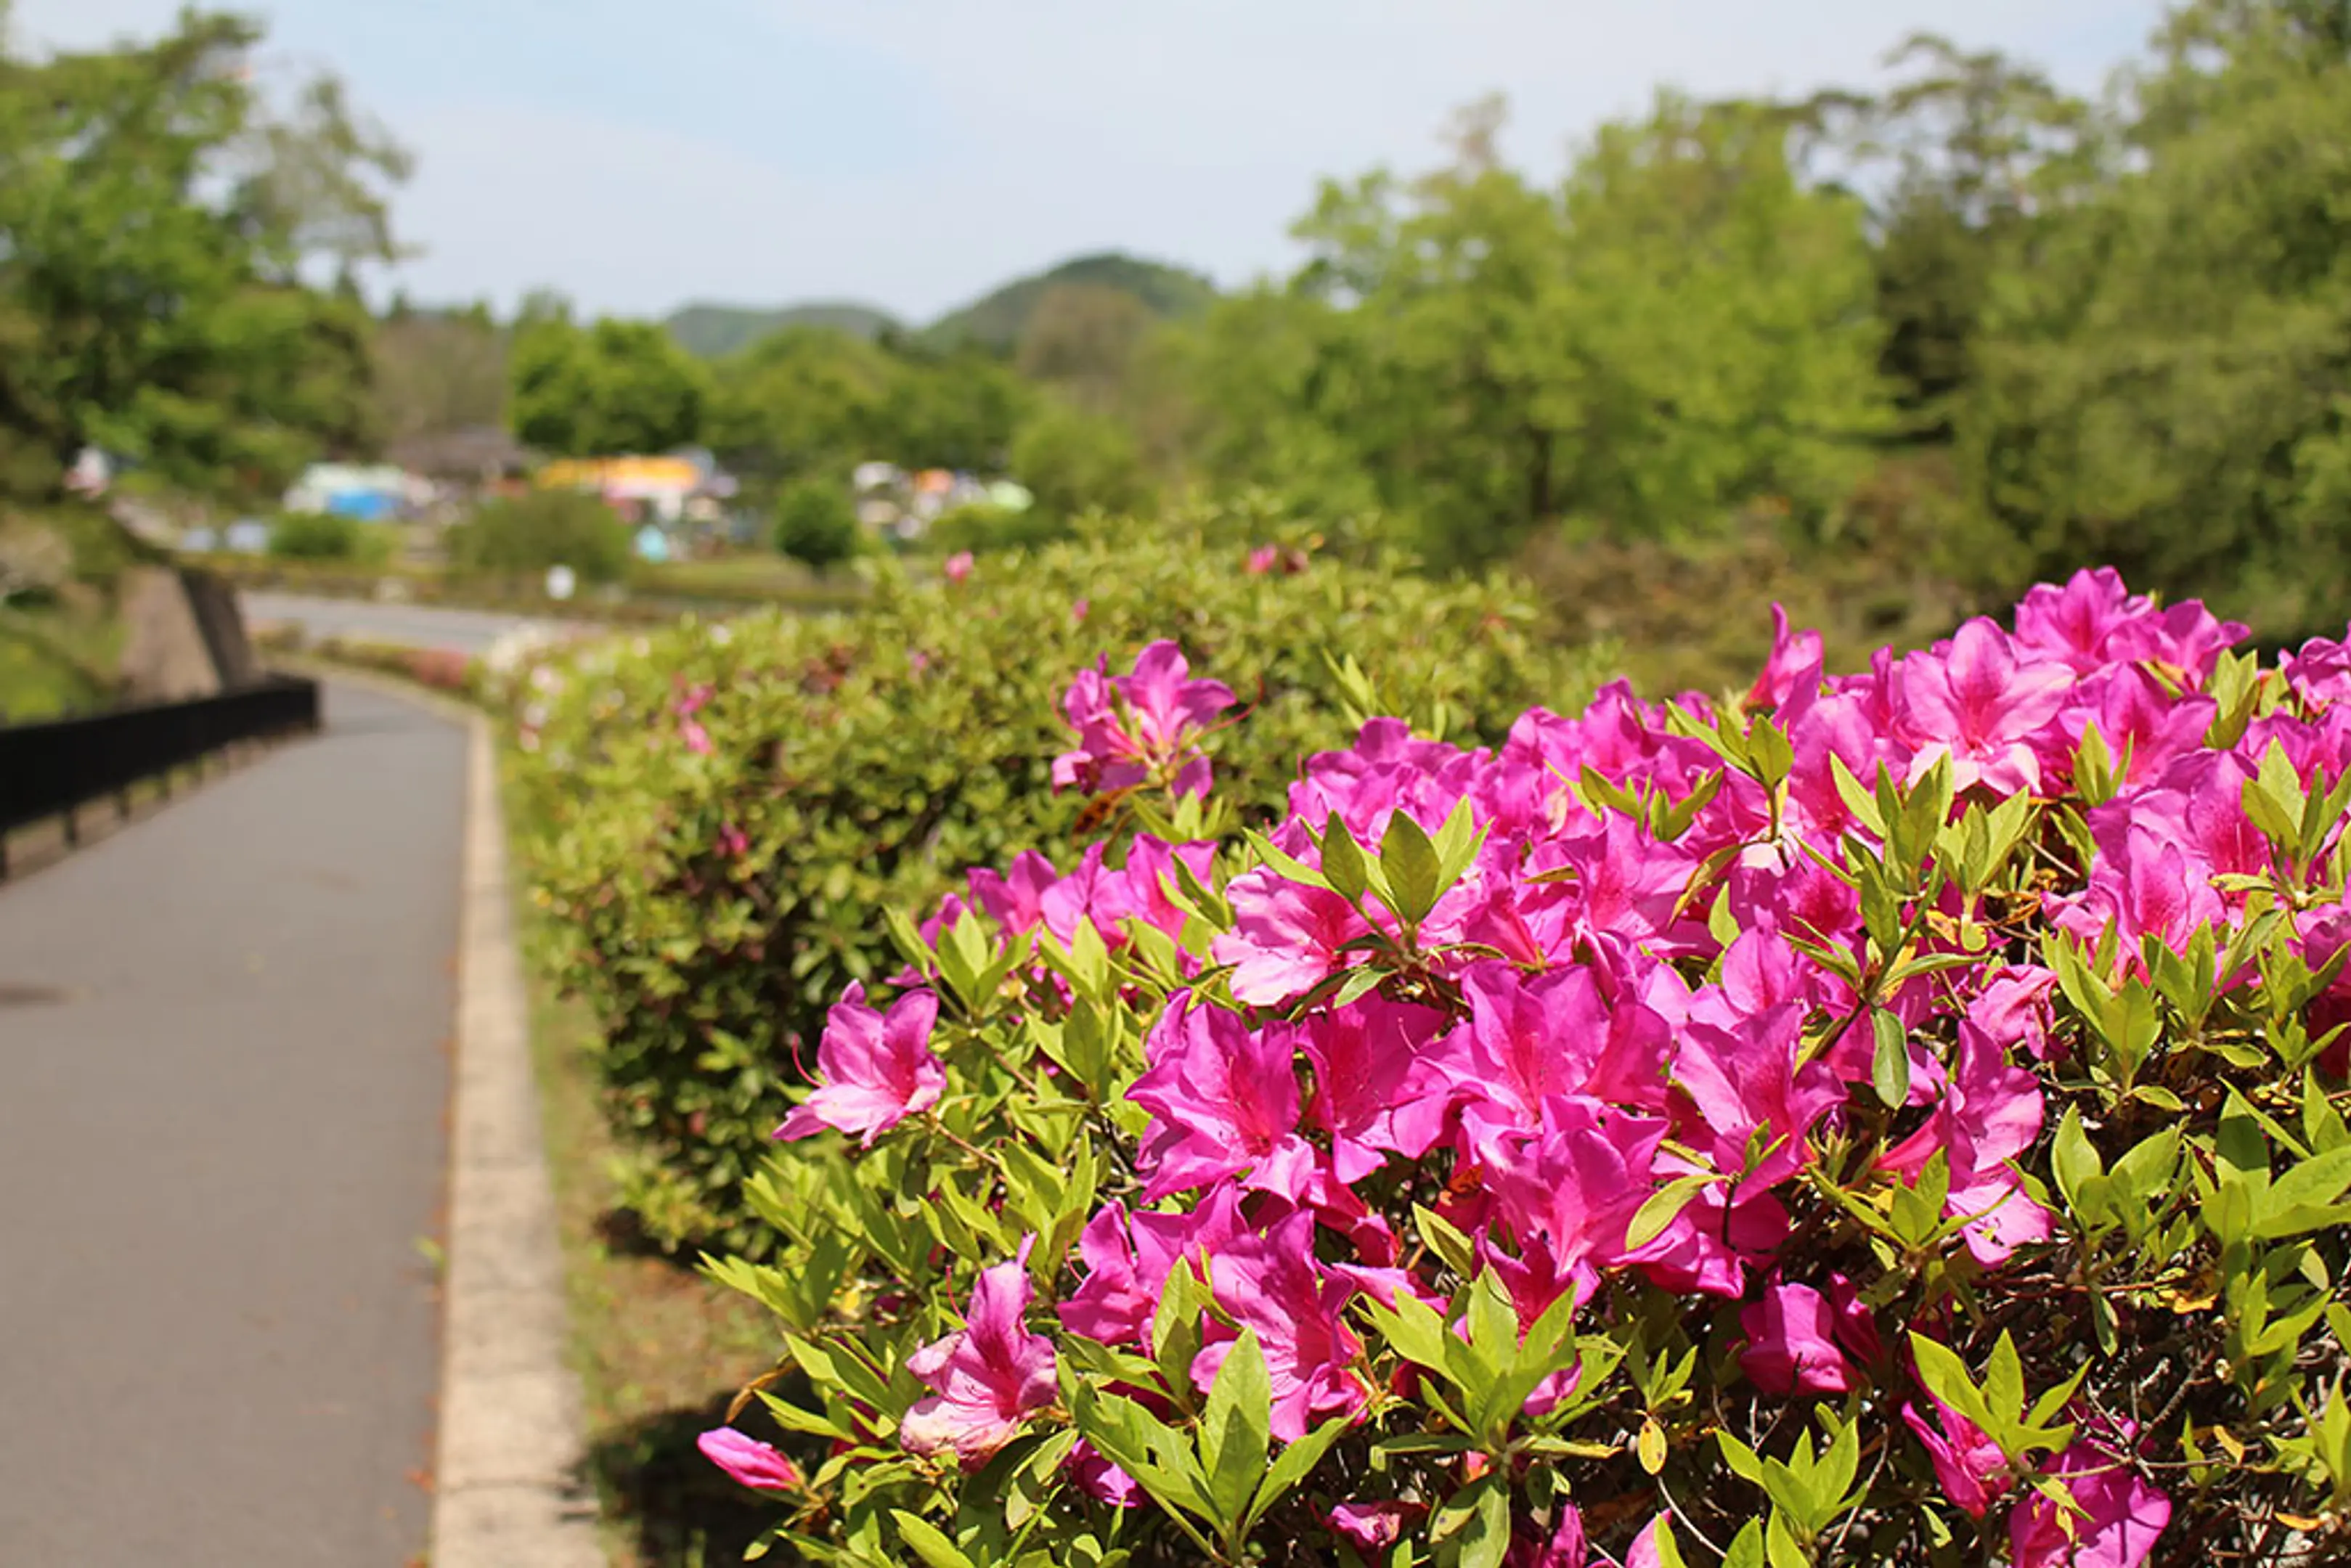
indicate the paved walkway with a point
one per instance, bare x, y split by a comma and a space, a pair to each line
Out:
409, 625
223, 1085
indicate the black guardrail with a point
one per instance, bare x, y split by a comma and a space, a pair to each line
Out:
48, 769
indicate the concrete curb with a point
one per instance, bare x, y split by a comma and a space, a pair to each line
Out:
507, 1487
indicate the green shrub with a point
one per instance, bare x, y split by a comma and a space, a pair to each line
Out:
528, 534
323, 536
984, 529
714, 903
815, 524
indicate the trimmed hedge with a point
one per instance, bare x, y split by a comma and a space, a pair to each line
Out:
719, 816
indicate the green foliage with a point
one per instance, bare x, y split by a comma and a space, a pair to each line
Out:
154, 225
614, 388
528, 533
2164, 381
983, 529
1681, 327
809, 401
322, 535
816, 523
867, 762
1073, 462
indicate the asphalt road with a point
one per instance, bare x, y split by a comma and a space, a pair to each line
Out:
412, 625
223, 1031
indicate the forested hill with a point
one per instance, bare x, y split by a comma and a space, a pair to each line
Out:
997, 320
713, 332
994, 321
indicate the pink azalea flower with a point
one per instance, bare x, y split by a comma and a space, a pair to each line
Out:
877, 1071
987, 1378
1972, 1470
731, 840
1743, 1080
2075, 623
1102, 1481
1575, 1182
1286, 936
1790, 677
1565, 1548
1792, 1345
1015, 901
1375, 1092
1979, 703
1272, 1283
1644, 1552
1128, 1261
1261, 560
753, 1463
2320, 673
690, 732
958, 566
1989, 1113
1224, 1100
2121, 1517
1140, 726
1371, 1526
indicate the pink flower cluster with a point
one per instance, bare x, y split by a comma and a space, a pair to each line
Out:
1570, 1029
1140, 728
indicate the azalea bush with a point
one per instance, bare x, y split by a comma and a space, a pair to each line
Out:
718, 817
1894, 1117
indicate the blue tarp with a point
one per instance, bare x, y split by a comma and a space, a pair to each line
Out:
368, 506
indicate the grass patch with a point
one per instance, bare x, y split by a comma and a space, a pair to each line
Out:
56, 661
659, 1350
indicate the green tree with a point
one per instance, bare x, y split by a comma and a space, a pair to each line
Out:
2165, 363
816, 523
155, 227
1963, 155
611, 388
436, 371
1684, 326
525, 535
803, 401
1073, 462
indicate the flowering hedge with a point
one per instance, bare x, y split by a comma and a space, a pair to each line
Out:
1896, 1117
718, 817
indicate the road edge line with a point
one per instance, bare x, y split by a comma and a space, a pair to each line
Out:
508, 1488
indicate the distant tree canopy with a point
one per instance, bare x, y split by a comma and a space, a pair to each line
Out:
814, 401
156, 226
438, 371
2165, 365
1682, 324
608, 388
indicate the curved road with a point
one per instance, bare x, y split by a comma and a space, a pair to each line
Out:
224, 1031
411, 625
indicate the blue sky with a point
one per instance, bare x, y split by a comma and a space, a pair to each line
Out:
638, 154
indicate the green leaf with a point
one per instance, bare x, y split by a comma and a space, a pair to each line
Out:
1945, 1377
2074, 1161
1889, 1065
929, 1544
1410, 865
1458, 843
1474, 1524
1235, 1426
1660, 1209
1342, 860
1446, 1240
1294, 1465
